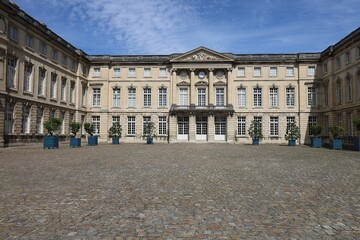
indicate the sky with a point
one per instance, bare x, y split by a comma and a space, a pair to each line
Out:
127, 27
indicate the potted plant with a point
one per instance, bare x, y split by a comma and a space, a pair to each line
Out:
115, 132
292, 133
356, 123
149, 132
336, 142
255, 132
89, 128
316, 140
52, 125
74, 129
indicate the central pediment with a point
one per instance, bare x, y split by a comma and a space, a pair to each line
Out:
202, 54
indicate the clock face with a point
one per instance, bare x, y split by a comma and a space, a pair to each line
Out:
220, 74
201, 74
183, 74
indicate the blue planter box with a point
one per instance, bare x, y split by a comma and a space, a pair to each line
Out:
149, 140
336, 144
93, 140
115, 140
292, 143
75, 142
255, 141
51, 142
316, 142
357, 143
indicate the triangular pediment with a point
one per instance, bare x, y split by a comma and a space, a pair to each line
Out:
202, 54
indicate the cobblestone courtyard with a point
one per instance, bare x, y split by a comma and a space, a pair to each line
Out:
179, 191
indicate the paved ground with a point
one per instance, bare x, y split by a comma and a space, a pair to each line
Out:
179, 191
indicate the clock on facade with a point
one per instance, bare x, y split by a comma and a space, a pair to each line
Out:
201, 74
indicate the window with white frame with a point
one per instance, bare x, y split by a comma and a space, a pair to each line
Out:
147, 72
257, 97
96, 124
220, 97
257, 71
96, 96
97, 72
42, 48
146, 120
73, 64
72, 92
131, 97
311, 71
162, 97
338, 92
201, 92
42, 82
39, 120
290, 97
290, 71
273, 71
274, 97
347, 57
339, 119
326, 95
28, 69
131, 125
348, 89
162, 72
183, 96
116, 97
63, 89
117, 72
29, 41
274, 126
115, 119
11, 72
289, 120
241, 97
241, 128
258, 119
25, 126
13, 33
64, 61
53, 86
54, 55
162, 125
312, 121
8, 118
147, 97
132, 72
311, 96
241, 72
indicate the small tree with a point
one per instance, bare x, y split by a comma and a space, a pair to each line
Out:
149, 130
292, 131
52, 125
75, 128
115, 130
255, 130
337, 132
356, 123
89, 128
315, 130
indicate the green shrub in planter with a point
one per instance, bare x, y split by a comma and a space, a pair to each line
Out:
255, 132
316, 140
92, 140
336, 142
74, 129
52, 125
115, 132
292, 133
149, 132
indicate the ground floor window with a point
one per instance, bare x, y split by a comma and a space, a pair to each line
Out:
274, 126
96, 124
9, 118
131, 125
162, 125
146, 120
201, 125
183, 125
220, 125
241, 126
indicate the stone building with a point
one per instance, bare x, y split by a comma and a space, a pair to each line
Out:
198, 96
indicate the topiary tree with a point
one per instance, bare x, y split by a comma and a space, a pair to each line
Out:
89, 128
292, 131
75, 127
52, 125
115, 130
337, 131
356, 123
315, 130
255, 130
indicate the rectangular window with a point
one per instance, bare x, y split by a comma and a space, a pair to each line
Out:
274, 126
257, 97
146, 120
73, 64
42, 82
201, 96
63, 89
347, 57
349, 123
96, 124
241, 97
117, 72
162, 125
201, 126
339, 120
97, 72
337, 63
147, 72
325, 68
338, 92
115, 119
257, 71
312, 121
28, 68
8, 118
53, 86
42, 48
326, 95
147, 97
241, 126
241, 72
162, 97
274, 97
183, 125
289, 120
183, 97
162, 72
290, 71
11, 72
131, 125
13, 33
132, 72
273, 71
64, 61
72, 92
29, 41
96, 96
311, 71
84, 70
220, 97
116, 97
131, 97
290, 97
258, 119
311, 96
348, 89
54, 55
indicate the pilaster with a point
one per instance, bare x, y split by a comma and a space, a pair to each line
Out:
211, 128
192, 128
211, 86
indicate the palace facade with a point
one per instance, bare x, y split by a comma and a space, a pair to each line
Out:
198, 96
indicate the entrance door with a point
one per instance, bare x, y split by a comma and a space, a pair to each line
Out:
183, 128
201, 128
220, 128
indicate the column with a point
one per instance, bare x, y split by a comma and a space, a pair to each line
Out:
230, 128
173, 93
211, 128
172, 129
192, 92
192, 127
211, 97
229, 90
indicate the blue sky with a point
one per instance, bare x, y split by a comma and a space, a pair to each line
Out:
122, 27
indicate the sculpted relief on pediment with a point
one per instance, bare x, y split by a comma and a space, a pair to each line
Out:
201, 56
